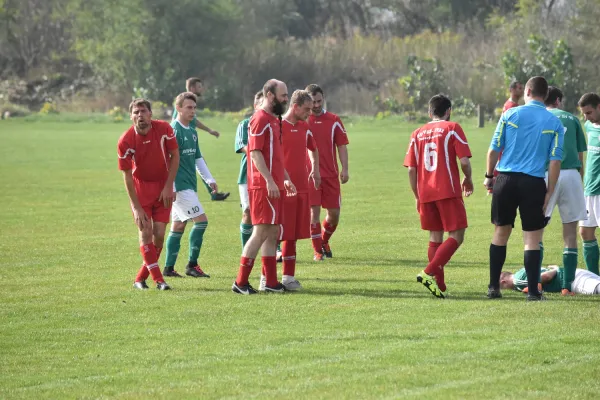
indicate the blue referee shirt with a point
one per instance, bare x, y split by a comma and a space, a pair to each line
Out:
528, 136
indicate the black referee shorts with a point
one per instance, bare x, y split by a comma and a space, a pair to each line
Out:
514, 190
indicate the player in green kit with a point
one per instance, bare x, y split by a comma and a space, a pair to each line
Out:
590, 108
568, 194
585, 282
195, 86
186, 205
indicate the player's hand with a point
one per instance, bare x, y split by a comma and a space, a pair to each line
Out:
316, 178
140, 217
214, 133
467, 186
546, 200
488, 183
344, 177
214, 187
167, 196
418, 203
272, 189
290, 188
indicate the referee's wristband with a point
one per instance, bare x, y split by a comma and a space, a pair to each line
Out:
489, 176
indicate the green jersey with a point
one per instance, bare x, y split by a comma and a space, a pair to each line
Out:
241, 141
574, 139
189, 152
554, 286
591, 181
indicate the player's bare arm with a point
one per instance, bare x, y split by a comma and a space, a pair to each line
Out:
141, 219
343, 153
548, 276
315, 173
467, 183
412, 178
553, 173
261, 166
290, 188
205, 128
167, 196
492, 160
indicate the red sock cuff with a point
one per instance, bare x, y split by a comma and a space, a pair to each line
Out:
328, 227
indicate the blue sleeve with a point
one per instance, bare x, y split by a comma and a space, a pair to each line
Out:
499, 135
556, 148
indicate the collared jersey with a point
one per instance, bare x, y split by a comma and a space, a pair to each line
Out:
189, 152
264, 135
329, 132
591, 180
509, 104
241, 141
147, 155
433, 151
297, 138
574, 142
528, 136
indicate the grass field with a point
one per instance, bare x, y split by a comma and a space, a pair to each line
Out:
72, 326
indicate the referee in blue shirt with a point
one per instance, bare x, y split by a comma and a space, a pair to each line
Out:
531, 141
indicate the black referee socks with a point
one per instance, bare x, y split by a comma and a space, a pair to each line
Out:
497, 259
532, 259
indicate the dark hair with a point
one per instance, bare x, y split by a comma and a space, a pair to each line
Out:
191, 82
439, 104
589, 99
554, 94
313, 89
538, 86
140, 102
514, 84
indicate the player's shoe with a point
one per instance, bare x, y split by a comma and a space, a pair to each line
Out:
196, 272
140, 285
262, 284
327, 250
429, 282
162, 286
535, 297
526, 290
566, 292
494, 293
319, 257
245, 289
279, 256
220, 196
169, 271
279, 288
291, 284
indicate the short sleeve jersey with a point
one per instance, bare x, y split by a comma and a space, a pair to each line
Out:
554, 286
592, 165
509, 104
296, 139
189, 152
529, 136
147, 155
264, 135
574, 142
241, 141
433, 151
328, 132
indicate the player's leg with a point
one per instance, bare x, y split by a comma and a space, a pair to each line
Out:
436, 238
149, 254
178, 224
557, 195
196, 238
591, 253
246, 224
330, 224
569, 256
315, 221
586, 282
269, 261
289, 234
432, 222
332, 201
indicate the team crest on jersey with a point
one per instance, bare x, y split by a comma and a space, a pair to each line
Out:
195, 138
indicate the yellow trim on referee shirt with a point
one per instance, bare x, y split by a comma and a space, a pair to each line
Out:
500, 134
555, 143
549, 131
513, 125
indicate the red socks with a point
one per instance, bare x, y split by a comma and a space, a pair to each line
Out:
433, 246
315, 234
143, 272
151, 260
443, 254
270, 269
328, 230
288, 249
246, 265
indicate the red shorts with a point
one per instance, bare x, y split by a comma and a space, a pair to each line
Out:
443, 215
296, 218
148, 194
328, 195
264, 210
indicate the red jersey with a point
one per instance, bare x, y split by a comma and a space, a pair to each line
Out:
329, 132
147, 155
433, 151
264, 135
509, 104
296, 139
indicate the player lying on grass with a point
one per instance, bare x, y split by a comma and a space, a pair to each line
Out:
585, 282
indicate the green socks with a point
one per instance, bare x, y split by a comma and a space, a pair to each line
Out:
570, 265
591, 255
173, 245
245, 233
196, 236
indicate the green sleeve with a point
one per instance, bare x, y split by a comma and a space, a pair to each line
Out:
520, 279
241, 136
581, 145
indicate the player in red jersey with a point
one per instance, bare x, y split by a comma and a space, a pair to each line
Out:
149, 158
298, 144
435, 182
329, 134
267, 180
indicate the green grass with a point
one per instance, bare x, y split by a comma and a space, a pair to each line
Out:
72, 326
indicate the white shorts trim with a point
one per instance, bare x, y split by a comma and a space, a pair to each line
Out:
585, 282
592, 204
244, 196
186, 206
569, 197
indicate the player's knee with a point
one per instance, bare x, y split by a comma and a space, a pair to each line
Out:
333, 216
178, 226
587, 233
459, 236
146, 235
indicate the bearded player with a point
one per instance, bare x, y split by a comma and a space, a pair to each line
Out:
330, 135
298, 145
267, 184
149, 158
435, 182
